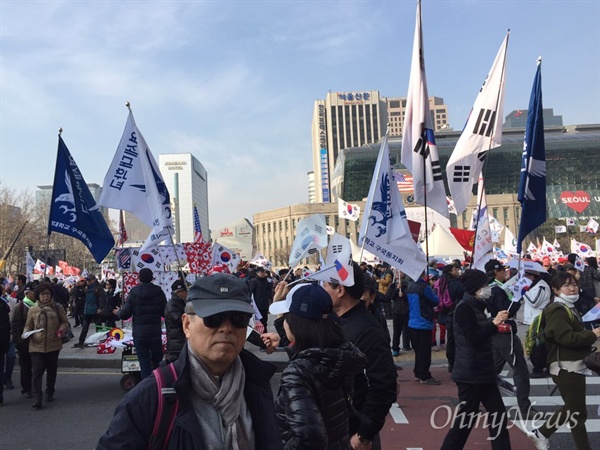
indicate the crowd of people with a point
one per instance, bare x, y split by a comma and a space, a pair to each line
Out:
341, 378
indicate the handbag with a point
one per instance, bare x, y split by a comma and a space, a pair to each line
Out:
68, 335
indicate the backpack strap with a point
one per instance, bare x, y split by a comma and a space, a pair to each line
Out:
168, 407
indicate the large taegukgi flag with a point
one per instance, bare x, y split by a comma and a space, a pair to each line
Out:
419, 150
482, 132
532, 186
73, 210
134, 183
384, 228
311, 234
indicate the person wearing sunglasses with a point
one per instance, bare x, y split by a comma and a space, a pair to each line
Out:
224, 395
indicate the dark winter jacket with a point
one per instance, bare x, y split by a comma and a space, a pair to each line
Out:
112, 301
499, 301
399, 303
4, 327
375, 390
474, 362
421, 300
94, 297
146, 303
133, 421
312, 406
17, 326
262, 289
175, 335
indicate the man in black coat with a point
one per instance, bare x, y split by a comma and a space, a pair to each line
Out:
146, 303
224, 393
173, 313
374, 389
262, 290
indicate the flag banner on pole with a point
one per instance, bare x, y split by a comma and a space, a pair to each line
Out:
571, 222
348, 211
419, 151
547, 248
404, 182
510, 242
171, 254
519, 288
311, 234
451, 208
122, 230
484, 246
592, 226
222, 255
73, 210
146, 258
579, 264
384, 227
197, 227
134, 183
123, 258
259, 260
556, 244
338, 266
582, 228
560, 229
466, 238
482, 132
39, 267
29, 265
582, 250
592, 315
532, 185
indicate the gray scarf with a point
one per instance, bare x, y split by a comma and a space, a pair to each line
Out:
226, 396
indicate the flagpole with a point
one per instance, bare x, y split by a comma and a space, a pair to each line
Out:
485, 163
423, 133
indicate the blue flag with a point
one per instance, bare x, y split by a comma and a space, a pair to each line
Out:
73, 210
532, 186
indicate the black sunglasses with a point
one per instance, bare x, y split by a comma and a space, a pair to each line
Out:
237, 319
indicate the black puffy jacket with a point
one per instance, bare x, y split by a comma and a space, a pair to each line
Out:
146, 303
175, 335
312, 407
474, 362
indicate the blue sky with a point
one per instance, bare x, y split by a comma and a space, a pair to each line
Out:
234, 82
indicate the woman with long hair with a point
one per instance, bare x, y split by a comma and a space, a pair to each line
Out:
49, 321
313, 404
567, 343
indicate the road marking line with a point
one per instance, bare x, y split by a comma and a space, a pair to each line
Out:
550, 401
548, 381
591, 425
397, 414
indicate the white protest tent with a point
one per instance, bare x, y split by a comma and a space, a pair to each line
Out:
443, 244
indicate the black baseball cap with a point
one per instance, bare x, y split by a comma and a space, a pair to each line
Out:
220, 292
494, 264
179, 285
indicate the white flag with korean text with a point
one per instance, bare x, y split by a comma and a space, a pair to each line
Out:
483, 247
384, 227
134, 183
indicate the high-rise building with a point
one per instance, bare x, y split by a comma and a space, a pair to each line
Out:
352, 119
43, 195
311, 187
342, 120
518, 119
396, 112
187, 182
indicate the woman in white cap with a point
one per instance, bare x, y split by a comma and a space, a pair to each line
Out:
313, 404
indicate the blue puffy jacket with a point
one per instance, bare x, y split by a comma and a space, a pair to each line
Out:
421, 300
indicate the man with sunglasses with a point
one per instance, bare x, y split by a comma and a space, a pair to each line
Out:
225, 399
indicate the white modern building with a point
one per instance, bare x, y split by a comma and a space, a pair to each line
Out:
187, 182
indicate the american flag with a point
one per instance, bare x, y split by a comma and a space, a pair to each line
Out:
197, 227
404, 182
122, 230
